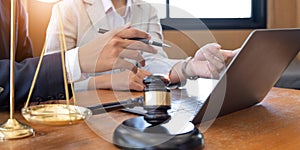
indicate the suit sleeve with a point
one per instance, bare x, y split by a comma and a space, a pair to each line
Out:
49, 84
23, 44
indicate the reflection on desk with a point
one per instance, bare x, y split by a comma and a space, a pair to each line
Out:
272, 124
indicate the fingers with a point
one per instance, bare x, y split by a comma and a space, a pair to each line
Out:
214, 62
136, 86
132, 45
138, 45
136, 80
229, 54
203, 69
214, 58
121, 63
126, 34
127, 80
209, 61
141, 74
135, 55
214, 72
120, 47
212, 48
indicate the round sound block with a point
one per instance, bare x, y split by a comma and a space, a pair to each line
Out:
136, 133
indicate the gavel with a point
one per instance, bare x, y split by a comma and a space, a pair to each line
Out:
155, 129
156, 100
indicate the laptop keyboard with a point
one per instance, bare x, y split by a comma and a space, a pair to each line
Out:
185, 106
180, 104
183, 103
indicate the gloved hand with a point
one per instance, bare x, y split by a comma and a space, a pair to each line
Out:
209, 61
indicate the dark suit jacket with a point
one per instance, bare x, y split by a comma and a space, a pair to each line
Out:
23, 43
49, 84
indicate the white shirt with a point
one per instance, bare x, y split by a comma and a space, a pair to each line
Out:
159, 65
72, 64
111, 12
82, 24
72, 61
71, 56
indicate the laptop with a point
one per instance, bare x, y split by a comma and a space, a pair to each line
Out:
248, 78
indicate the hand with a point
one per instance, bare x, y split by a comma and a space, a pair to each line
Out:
126, 80
229, 54
208, 61
103, 53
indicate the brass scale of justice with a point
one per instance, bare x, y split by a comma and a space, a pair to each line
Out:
155, 124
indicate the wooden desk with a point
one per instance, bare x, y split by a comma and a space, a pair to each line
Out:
273, 124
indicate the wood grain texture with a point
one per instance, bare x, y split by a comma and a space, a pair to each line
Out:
272, 124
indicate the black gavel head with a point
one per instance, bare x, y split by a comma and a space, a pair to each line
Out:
157, 99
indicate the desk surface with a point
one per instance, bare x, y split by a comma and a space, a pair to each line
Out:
273, 124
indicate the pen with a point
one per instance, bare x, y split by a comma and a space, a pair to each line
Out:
129, 103
146, 41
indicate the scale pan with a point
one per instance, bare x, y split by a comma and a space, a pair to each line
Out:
56, 114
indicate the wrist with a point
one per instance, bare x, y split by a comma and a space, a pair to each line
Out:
82, 61
102, 81
187, 69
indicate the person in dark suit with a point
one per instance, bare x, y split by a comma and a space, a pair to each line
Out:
49, 84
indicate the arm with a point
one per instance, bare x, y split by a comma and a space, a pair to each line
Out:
155, 63
208, 62
49, 83
69, 21
76, 29
23, 44
102, 54
25, 68
23, 48
125, 80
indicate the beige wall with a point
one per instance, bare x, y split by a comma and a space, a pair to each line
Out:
229, 39
281, 14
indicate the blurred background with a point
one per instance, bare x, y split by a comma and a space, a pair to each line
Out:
279, 14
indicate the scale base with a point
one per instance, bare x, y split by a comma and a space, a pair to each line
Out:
136, 133
12, 129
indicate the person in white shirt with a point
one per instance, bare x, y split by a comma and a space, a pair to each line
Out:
83, 18
49, 83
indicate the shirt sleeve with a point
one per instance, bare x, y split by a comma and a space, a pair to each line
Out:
72, 65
